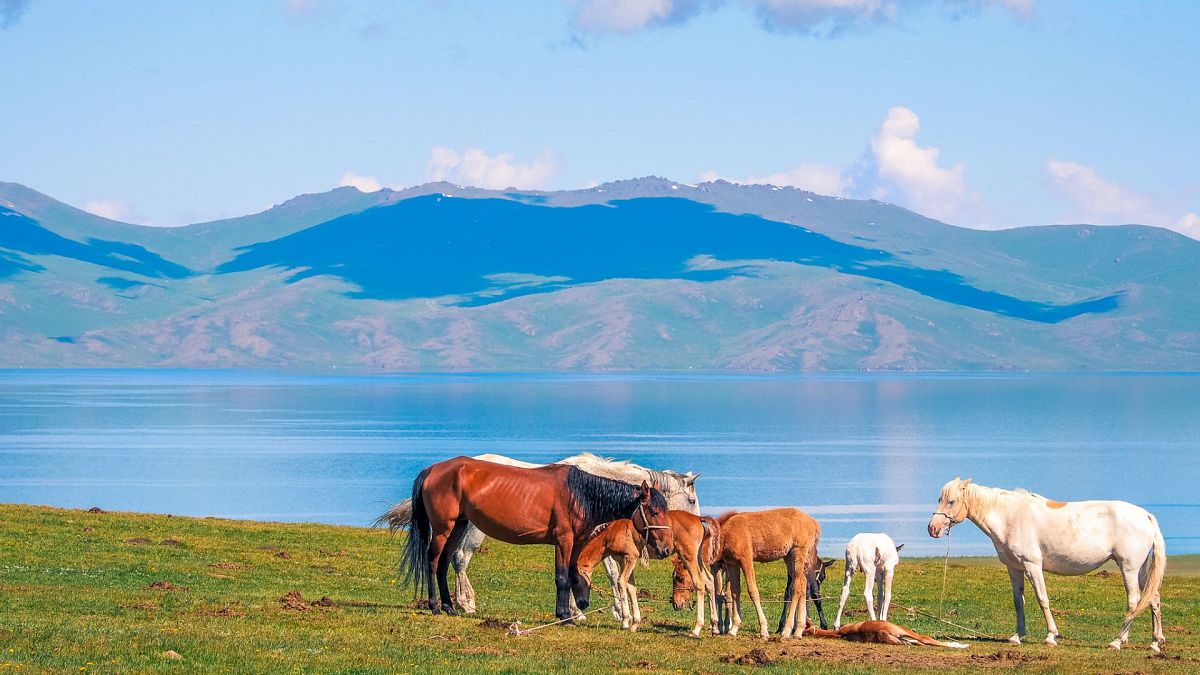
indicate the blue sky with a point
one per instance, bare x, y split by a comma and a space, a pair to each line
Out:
985, 113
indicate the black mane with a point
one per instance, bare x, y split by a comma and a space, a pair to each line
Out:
603, 499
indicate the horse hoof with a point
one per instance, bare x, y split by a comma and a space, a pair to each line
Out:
1014, 640
1155, 648
1050, 641
1115, 644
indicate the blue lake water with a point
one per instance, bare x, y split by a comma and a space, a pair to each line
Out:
859, 452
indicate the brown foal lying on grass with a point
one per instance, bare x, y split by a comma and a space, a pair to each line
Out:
879, 632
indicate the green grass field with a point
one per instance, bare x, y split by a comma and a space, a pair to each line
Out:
115, 592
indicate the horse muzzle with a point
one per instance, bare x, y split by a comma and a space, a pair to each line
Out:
938, 524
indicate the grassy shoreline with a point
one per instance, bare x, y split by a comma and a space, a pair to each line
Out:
114, 592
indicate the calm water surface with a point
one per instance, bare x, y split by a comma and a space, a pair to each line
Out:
860, 453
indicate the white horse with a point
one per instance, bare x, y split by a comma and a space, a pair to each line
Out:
1032, 534
678, 488
876, 556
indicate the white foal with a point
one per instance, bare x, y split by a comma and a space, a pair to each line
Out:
876, 556
1033, 534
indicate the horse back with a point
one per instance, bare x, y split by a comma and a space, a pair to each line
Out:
769, 535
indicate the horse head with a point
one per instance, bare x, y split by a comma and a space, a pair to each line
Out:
651, 521
951, 508
680, 491
681, 586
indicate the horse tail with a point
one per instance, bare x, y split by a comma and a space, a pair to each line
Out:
1158, 570
397, 517
710, 545
414, 562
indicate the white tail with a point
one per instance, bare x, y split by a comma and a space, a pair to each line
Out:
1158, 570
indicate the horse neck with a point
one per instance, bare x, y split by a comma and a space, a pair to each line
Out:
984, 507
593, 551
602, 499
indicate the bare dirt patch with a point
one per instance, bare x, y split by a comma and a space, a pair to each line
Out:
142, 605
293, 602
325, 601
227, 565
138, 541
165, 586
496, 624
170, 542
755, 657
284, 554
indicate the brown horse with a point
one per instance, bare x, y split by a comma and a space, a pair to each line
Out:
556, 504
879, 632
620, 541
697, 545
785, 534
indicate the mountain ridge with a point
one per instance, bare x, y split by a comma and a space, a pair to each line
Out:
644, 274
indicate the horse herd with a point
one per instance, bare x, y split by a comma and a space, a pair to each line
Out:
595, 510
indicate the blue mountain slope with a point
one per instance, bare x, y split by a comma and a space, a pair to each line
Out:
21, 234
434, 246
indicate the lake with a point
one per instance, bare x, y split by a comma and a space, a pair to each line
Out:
860, 453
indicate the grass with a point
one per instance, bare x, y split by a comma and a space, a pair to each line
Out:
76, 595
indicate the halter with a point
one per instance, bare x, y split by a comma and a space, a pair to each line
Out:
950, 521
646, 522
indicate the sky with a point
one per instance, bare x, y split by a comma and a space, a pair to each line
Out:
981, 113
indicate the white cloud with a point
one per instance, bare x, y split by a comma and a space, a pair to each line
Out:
829, 17
363, 183
910, 174
1103, 202
111, 209
816, 177
496, 172
627, 16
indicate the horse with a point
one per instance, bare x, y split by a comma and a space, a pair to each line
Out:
679, 488
1033, 534
816, 571
556, 504
879, 632
697, 546
765, 536
619, 541
682, 588
876, 556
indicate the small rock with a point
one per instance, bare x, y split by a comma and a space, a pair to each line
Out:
283, 554
172, 654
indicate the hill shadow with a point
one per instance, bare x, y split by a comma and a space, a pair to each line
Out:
435, 246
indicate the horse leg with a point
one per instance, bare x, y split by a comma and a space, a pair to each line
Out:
443, 565
635, 611
1017, 577
789, 627
710, 587
701, 589
614, 573
837, 622
1038, 578
787, 597
733, 576
869, 591
887, 594
1133, 593
439, 535
1155, 608
563, 607
464, 592
752, 585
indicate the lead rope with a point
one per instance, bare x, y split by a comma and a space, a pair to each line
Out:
945, 570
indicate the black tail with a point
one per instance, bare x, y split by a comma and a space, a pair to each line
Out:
414, 562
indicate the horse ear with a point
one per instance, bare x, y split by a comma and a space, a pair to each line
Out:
967, 482
691, 478
645, 491
829, 563
898, 547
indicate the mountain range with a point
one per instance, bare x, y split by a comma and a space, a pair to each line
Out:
643, 274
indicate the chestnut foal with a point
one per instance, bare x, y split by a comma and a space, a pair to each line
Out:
785, 534
697, 545
620, 541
